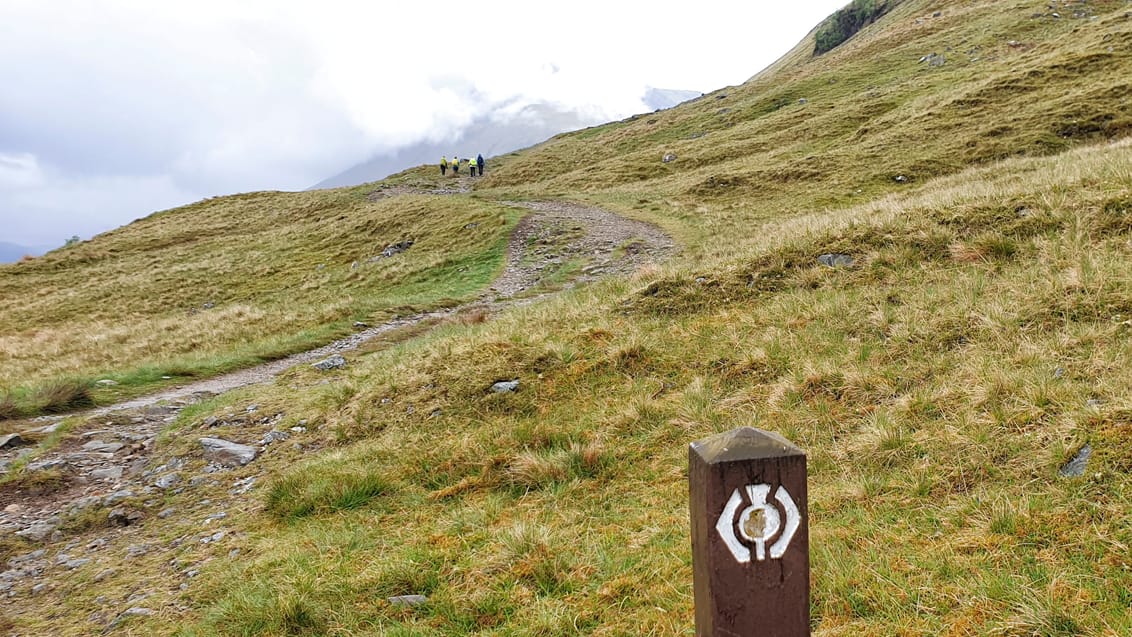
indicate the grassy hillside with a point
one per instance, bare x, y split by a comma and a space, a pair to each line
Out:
232, 281
977, 341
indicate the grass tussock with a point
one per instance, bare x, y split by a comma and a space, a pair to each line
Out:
322, 487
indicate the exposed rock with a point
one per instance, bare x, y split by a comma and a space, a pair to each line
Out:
505, 386
106, 382
107, 473
77, 563
11, 441
121, 516
408, 600
274, 436
394, 248
167, 480
226, 452
99, 446
836, 260
803, 100
46, 429
334, 362
110, 572
37, 531
48, 465
243, 486
360, 326
116, 497
166, 512
136, 550
668, 158
900, 179
1076, 467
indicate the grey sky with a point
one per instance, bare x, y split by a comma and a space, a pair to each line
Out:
111, 110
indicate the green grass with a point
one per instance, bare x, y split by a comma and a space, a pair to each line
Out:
937, 384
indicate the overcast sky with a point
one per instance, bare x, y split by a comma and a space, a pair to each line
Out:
111, 110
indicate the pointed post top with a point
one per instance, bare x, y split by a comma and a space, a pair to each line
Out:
744, 443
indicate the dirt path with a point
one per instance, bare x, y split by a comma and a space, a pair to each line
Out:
559, 243
555, 237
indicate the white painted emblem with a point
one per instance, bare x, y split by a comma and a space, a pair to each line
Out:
758, 523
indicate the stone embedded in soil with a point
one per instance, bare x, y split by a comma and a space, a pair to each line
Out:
121, 516
505, 386
99, 446
37, 531
336, 361
107, 473
836, 260
11, 441
1075, 468
407, 600
226, 452
167, 480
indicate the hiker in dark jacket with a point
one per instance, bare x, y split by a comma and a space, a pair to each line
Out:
479, 162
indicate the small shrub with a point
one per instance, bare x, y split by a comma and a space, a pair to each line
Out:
846, 22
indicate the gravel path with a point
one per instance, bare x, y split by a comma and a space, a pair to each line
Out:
555, 235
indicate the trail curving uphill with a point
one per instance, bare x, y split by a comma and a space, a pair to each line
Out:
556, 236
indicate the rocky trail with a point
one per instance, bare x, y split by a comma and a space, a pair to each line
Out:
111, 472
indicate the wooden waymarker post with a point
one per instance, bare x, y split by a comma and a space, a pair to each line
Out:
750, 536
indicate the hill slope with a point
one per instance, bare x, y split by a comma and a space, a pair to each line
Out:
971, 340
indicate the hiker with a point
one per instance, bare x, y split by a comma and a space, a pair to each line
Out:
455, 165
471, 167
443, 165
479, 163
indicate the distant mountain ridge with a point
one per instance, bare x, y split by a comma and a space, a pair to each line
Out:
491, 136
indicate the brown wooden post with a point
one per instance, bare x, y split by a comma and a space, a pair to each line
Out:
750, 536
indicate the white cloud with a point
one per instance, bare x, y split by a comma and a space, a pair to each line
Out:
219, 96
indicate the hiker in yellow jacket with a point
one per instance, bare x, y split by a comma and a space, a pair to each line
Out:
455, 165
443, 165
471, 167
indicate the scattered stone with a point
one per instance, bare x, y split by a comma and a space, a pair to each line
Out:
233, 554
298, 430
106, 382
252, 409
274, 436
334, 362
78, 563
167, 480
215, 516
121, 516
505, 386
668, 158
11, 441
48, 465
99, 446
836, 260
136, 550
1059, 372
937, 14
48, 429
1094, 402
38, 589
1075, 468
802, 100
408, 600
243, 486
396, 248
900, 179
111, 474
165, 513
137, 612
360, 326
210, 421
37, 531
14, 509
226, 452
